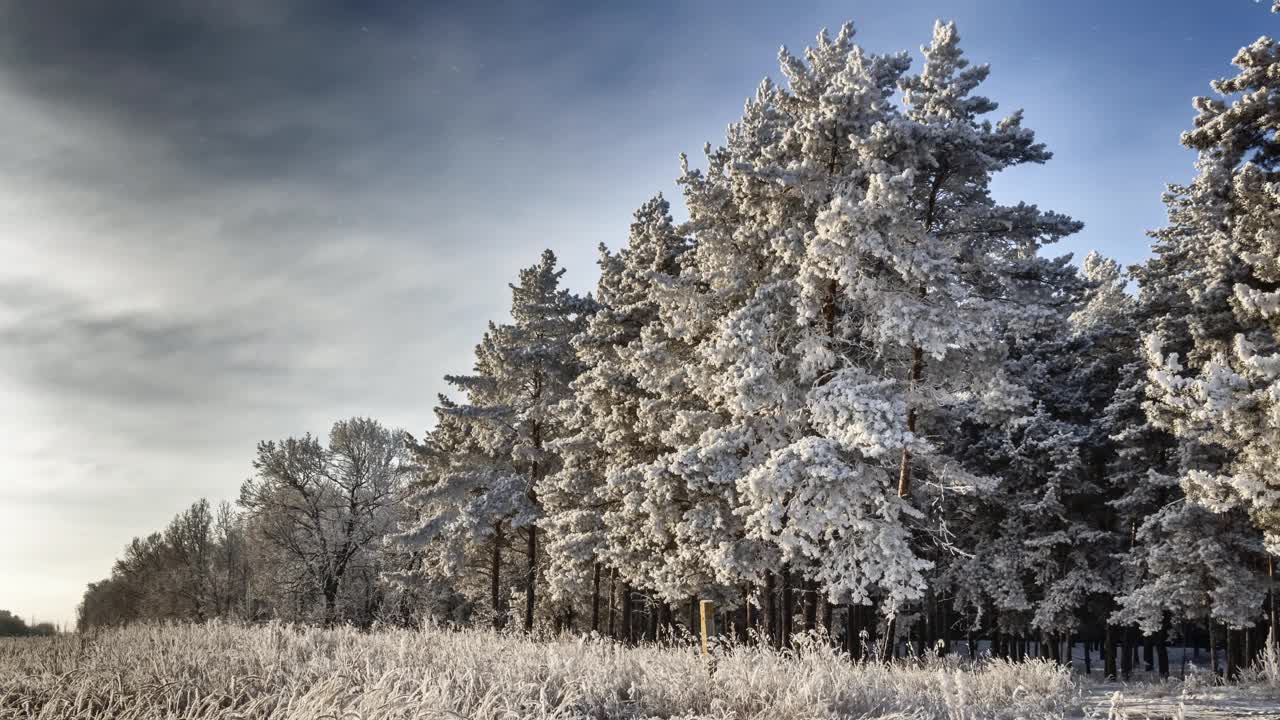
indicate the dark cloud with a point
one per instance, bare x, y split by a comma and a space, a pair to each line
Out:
262, 89
133, 358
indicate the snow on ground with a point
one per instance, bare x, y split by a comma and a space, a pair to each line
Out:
1159, 701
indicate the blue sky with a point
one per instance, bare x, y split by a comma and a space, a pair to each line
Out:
226, 222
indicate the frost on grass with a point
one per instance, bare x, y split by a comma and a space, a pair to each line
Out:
286, 672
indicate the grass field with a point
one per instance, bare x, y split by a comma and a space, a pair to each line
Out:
275, 671
223, 671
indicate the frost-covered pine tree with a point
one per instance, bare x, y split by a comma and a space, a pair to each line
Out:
840, 243
751, 211
588, 521
523, 371
1225, 389
927, 268
1207, 336
1034, 550
468, 501
1216, 386
537, 368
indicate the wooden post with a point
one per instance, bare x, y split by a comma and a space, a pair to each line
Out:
707, 611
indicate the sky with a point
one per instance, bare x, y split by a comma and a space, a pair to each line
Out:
224, 222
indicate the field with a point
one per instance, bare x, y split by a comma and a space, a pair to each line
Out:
277, 671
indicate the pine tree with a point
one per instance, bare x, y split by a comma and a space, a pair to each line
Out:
1224, 389
816, 227
586, 517
929, 268
523, 371
465, 502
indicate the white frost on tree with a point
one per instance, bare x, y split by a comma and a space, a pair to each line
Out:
1224, 389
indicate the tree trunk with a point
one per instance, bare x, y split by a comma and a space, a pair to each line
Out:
531, 577
1162, 649
788, 606
613, 590
1213, 648
1274, 634
904, 468
1182, 671
495, 580
810, 605
852, 628
1233, 655
330, 602
828, 616
890, 638
1148, 657
1108, 653
772, 626
1126, 656
944, 622
627, 634
929, 633
595, 600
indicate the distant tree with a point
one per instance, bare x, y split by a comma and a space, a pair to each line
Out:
189, 543
105, 603
230, 569
12, 626
320, 507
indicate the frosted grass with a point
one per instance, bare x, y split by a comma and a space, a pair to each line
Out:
278, 671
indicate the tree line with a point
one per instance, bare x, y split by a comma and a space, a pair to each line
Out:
13, 626
850, 395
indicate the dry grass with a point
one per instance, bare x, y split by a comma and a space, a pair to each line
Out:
275, 671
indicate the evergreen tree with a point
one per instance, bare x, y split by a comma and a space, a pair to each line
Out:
586, 517
486, 475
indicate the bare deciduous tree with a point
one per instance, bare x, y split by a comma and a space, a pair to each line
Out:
322, 506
